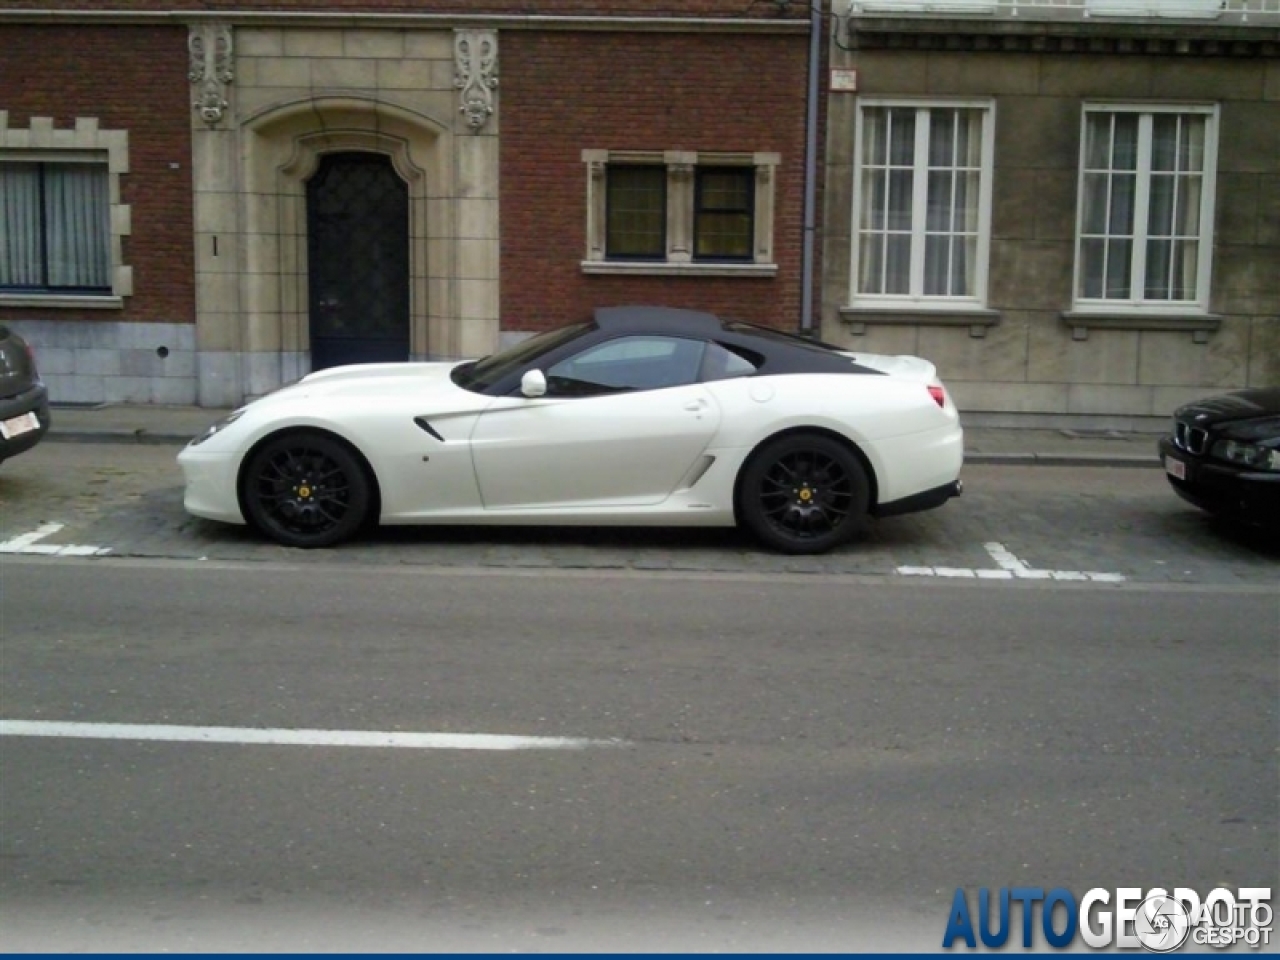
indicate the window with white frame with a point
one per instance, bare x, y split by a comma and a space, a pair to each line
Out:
1145, 220
55, 225
680, 212
62, 221
922, 204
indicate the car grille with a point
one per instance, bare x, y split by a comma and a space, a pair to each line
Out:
1191, 439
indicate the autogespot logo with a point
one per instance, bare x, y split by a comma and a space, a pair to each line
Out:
1126, 918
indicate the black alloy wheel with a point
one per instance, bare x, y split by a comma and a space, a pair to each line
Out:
305, 489
803, 493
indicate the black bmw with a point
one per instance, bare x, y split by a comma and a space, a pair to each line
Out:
1224, 455
24, 401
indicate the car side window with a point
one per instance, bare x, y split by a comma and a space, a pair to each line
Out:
721, 363
626, 364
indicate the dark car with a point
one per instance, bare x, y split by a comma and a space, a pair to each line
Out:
1224, 455
24, 401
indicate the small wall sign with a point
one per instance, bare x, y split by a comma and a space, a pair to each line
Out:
844, 81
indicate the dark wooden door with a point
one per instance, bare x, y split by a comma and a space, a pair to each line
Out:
358, 261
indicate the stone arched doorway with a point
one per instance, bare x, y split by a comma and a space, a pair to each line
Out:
287, 149
254, 282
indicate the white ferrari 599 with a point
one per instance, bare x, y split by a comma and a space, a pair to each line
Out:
639, 416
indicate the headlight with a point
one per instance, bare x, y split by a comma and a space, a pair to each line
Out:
1251, 455
218, 427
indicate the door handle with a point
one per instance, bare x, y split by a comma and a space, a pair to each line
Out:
695, 405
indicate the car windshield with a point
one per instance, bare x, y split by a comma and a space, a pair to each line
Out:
479, 375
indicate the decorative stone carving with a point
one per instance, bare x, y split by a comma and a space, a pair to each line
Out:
211, 71
475, 55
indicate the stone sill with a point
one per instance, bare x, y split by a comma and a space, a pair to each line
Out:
1199, 325
976, 319
61, 302
661, 269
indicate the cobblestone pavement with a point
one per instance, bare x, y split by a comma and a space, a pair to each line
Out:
1032, 522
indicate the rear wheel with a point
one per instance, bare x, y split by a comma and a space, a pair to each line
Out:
803, 493
305, 489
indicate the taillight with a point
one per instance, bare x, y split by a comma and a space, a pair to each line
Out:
939, 395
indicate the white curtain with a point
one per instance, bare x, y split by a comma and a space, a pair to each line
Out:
20, 225
1173, 219
951, 228
77, 219
888, 160
1111, 223
55, 228
888, 222
1107, 220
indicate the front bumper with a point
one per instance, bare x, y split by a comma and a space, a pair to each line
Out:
1221, 488
210, 479
34, 400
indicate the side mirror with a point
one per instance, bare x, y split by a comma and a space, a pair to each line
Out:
534, 384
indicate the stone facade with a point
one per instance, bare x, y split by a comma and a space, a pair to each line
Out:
1030, 358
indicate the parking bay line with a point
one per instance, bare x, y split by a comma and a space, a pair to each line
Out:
26, 543
1009, 567
300, 738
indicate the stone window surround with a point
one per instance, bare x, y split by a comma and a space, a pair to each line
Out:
86, 139
680, 213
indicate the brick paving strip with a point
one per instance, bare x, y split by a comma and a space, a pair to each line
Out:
124, 496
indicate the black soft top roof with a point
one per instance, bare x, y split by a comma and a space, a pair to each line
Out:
657, 320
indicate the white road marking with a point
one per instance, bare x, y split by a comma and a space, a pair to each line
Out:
304, 738
1010, 567
1004, 559
26, 543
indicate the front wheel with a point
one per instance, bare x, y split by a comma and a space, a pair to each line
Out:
803, 493
305, 490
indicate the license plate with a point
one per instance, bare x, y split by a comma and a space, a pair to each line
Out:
17, 426
1175, 468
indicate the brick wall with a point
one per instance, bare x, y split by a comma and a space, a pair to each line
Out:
737, 9
134, 79
563, 92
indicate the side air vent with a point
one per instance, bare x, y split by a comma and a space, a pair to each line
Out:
699, 469
425, 426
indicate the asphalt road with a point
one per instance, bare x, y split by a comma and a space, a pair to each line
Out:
772, 760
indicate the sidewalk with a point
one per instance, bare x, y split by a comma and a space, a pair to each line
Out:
154, 424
